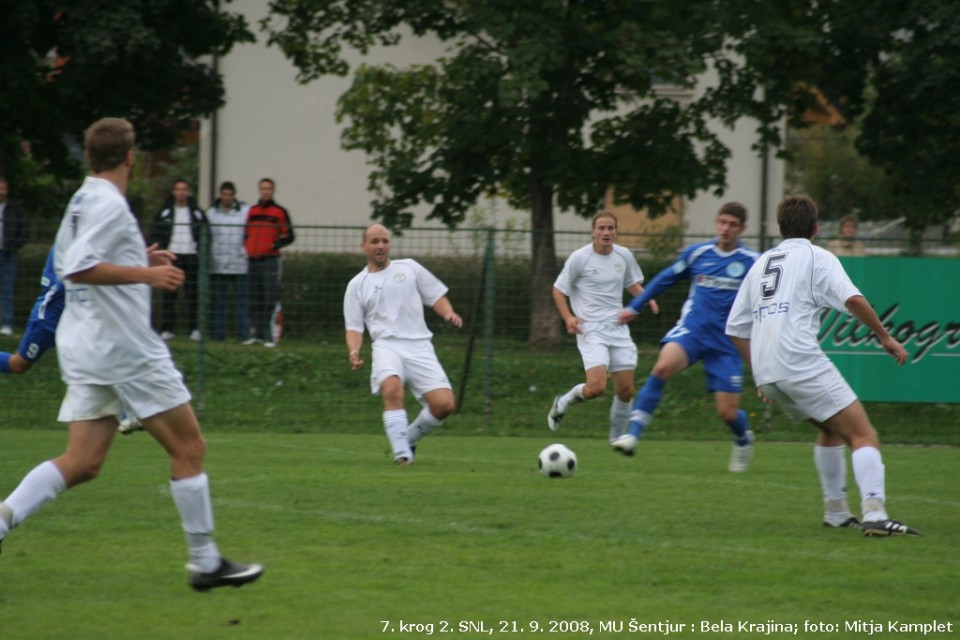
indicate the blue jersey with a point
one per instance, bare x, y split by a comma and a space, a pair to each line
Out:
49, 305
715, 277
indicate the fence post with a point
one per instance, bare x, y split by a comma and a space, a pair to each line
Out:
488, 285
203, 291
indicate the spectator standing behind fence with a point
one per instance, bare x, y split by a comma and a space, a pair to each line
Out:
178, 227
228, 263
774, 322
387, 299
109, 355
14, 233
847, 244
589, 296
268, 230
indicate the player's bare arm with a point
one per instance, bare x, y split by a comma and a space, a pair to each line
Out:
444, 309
354, 342
165, 277
157, 257
570, 321
860, 308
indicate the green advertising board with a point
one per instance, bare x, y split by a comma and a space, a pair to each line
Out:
918, 301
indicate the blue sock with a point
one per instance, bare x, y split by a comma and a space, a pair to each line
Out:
645, 404
739, 426
5, 362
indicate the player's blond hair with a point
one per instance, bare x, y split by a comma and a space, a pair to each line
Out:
604, 214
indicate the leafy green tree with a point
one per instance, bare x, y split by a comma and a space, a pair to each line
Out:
65, 63
892, 66
548, 103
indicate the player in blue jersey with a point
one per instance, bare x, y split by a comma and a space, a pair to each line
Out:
42, 326
40, 335
715, 270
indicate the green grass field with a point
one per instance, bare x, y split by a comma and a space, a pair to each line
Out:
355, 547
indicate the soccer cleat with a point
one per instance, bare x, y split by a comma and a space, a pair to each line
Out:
228, 574
884, 528
252, 341
626, 444
554, 418
741, 455
129, 424
195, 335
849, 523
167, 335
404, 461
269, 345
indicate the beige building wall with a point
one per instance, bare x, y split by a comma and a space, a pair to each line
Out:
272, 126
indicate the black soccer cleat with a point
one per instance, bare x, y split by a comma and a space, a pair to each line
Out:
229, 574
849, 523
885, 528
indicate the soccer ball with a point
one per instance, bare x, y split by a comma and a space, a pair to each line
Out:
557, 461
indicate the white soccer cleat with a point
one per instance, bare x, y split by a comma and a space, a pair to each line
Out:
129, 424
626, 444
554, 418
741, 456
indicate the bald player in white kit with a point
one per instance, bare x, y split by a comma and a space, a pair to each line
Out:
387, 299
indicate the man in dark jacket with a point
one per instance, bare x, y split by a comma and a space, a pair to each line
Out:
178, 227
14, 233
268, 230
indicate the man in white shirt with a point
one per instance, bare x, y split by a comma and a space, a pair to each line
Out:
110, 357
179, 227
589, 296
387, 299
775, 318
228, 263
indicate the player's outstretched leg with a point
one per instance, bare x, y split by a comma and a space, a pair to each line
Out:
560, 405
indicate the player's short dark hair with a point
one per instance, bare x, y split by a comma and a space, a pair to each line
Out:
604, 214
797, 217
228, 185
106, 143
736, 210
270, 180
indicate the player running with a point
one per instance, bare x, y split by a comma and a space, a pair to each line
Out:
715, 270
774, 322
589, 295
41, 333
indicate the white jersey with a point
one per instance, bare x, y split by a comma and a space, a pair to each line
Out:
104, 336
595, 282
390, 302
778, 308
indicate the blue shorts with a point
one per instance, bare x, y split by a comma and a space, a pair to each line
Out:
37, 340
723, 366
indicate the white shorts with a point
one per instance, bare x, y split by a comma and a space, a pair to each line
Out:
819, 398
160, 390
607, 346
413, 361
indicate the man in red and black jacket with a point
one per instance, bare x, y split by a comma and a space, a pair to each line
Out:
268, 230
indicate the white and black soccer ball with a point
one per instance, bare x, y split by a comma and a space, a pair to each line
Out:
557, 461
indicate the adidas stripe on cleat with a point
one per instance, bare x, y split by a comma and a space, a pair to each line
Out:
884, 528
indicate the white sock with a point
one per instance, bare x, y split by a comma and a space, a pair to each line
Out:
192, 497
869, 472
40, 486
574, 396
619, 417
831, 464
395, 424
423, 425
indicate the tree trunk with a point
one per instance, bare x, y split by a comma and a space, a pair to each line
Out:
544, 320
